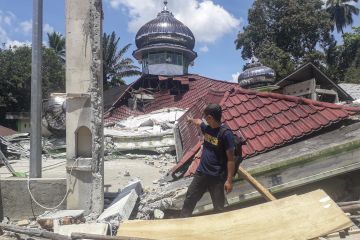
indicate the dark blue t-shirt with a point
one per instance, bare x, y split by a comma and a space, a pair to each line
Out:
210, 163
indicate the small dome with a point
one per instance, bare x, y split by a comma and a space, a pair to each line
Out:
256, 74
165, 29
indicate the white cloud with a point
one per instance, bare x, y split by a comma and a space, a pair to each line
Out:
11, 27
5, 20
26, 26
235, 77
204, 49
207, 20
48, 29
15, 43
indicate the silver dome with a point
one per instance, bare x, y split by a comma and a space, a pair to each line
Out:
165, 32
165, 28
256, 74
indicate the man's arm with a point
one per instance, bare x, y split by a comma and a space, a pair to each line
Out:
195, 121
230, 170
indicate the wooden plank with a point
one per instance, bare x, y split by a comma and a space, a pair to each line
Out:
297, 217
260, 188
33, 232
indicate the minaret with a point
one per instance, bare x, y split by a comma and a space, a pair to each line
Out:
165, 45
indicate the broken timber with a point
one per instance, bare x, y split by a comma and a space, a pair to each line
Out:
33, 232
260, 188
281, 219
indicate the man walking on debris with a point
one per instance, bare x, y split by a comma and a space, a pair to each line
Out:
214, 174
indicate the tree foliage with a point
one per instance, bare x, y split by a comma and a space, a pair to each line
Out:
116, 66
341, 13
351, 54
286, 33
15, 77
57, 43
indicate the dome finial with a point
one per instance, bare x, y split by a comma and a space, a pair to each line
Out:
165, 5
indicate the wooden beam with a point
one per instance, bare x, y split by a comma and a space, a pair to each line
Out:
260, 188
33, 232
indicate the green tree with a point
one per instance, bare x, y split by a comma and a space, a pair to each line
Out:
351, 55
341, 13
116, 66
15, 76
57, 42
286, 33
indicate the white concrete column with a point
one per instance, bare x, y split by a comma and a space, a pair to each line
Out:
84, 105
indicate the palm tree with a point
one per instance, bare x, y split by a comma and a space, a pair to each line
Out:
57, 42
115, 66
341, 12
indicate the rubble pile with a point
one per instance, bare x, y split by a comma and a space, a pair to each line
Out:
151, 132
16, 146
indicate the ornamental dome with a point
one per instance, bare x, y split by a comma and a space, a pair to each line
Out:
165, 29
256, 74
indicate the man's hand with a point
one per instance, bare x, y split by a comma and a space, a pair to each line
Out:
197, 122
228, 186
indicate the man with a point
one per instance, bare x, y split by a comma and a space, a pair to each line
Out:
210, 175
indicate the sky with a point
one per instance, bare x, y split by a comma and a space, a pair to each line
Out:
215, 24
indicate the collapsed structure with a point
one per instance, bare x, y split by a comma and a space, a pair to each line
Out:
293, 144
280, 130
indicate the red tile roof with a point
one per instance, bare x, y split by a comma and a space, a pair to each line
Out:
265, 120
4, 131
180, 91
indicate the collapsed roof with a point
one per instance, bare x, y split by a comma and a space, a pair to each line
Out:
265, 120
179, 92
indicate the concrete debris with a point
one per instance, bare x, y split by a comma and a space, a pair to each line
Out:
122, 209
127, 174
90, 228
149, 132
158, 214
16, 146
133, 185
24, 222
63, 217
160, 198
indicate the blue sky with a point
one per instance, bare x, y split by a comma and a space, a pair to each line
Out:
215, 25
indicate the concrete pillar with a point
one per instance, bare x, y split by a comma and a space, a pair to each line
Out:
84, 106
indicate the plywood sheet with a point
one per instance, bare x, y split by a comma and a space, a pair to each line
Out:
297, 217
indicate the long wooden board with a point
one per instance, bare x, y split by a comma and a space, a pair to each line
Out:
297, 217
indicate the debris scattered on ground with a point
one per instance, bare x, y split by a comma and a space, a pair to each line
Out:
16, 146
23, 223
90, 228
158, 214
121, 210
61, 217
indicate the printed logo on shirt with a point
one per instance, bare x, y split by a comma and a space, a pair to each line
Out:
210, 139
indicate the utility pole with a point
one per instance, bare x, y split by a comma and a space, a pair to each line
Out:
36, 90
